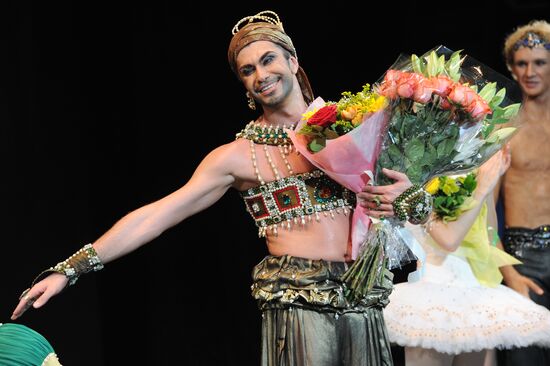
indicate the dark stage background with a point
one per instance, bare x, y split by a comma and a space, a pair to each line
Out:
106, 106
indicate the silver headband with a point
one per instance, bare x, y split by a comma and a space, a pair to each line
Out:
531, 40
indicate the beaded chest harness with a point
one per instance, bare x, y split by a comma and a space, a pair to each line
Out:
295, 199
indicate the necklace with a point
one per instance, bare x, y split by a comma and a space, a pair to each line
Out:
264, 134
261, 133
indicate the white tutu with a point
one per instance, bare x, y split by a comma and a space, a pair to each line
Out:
450, 312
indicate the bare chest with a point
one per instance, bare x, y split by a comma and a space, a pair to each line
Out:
264, 163
531, 149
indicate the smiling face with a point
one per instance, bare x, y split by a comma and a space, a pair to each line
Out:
267, 72
531, 69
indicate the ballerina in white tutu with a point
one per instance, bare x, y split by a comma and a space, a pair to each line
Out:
458, 313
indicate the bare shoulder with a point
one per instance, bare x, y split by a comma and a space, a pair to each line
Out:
230, 153
231, 159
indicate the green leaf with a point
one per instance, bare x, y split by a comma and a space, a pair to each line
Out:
500, 135
441, 149
498, 113
430, 154
497, 98
439, 201
487, 130
453, 65
488, 91
394, 153
317, 144
470, 182
414, 149
449, 146
417, 65
511, 110
384, 160
414, 173
441, 65
431, 64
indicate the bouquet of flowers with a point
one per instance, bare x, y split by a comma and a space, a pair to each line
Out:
335, 119
449, 114
446, 114
451, 195
340, 138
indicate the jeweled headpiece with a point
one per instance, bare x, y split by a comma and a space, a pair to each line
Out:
265, 26
267, 16
531, 40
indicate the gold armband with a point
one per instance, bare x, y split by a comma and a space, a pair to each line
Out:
414, 205
83, 261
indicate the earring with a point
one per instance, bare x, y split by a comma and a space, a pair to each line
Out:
251, 102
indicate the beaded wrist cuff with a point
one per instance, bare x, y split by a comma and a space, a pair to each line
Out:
83, 261
414, 205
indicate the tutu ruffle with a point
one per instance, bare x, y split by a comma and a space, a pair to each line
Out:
450, 312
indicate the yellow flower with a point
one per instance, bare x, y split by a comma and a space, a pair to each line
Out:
379, 103
308, 115
357, 120
449, 186
432, 186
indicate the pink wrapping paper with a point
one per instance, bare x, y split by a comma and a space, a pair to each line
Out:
347, 159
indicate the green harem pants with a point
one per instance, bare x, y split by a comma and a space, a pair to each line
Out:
306, 320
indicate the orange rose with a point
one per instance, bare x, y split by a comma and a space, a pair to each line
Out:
349, 113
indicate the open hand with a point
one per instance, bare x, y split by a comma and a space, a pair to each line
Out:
40, 293
523, 285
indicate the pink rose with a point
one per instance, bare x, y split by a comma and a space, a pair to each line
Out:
423, 91
462, 95
405, 90
442, 85
406, 84
324, 117
388, 87
479, 109
392, 75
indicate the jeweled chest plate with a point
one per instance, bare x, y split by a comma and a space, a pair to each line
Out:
294, 199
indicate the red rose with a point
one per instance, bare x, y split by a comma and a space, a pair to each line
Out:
324, 117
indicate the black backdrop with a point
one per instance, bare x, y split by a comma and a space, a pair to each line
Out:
106, 106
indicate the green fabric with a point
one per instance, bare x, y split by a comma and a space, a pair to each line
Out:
22, 346
484, 258
306, 319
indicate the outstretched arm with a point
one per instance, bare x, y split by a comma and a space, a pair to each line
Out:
209, 182
212, 178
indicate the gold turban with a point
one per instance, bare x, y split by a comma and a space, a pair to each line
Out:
265, 28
